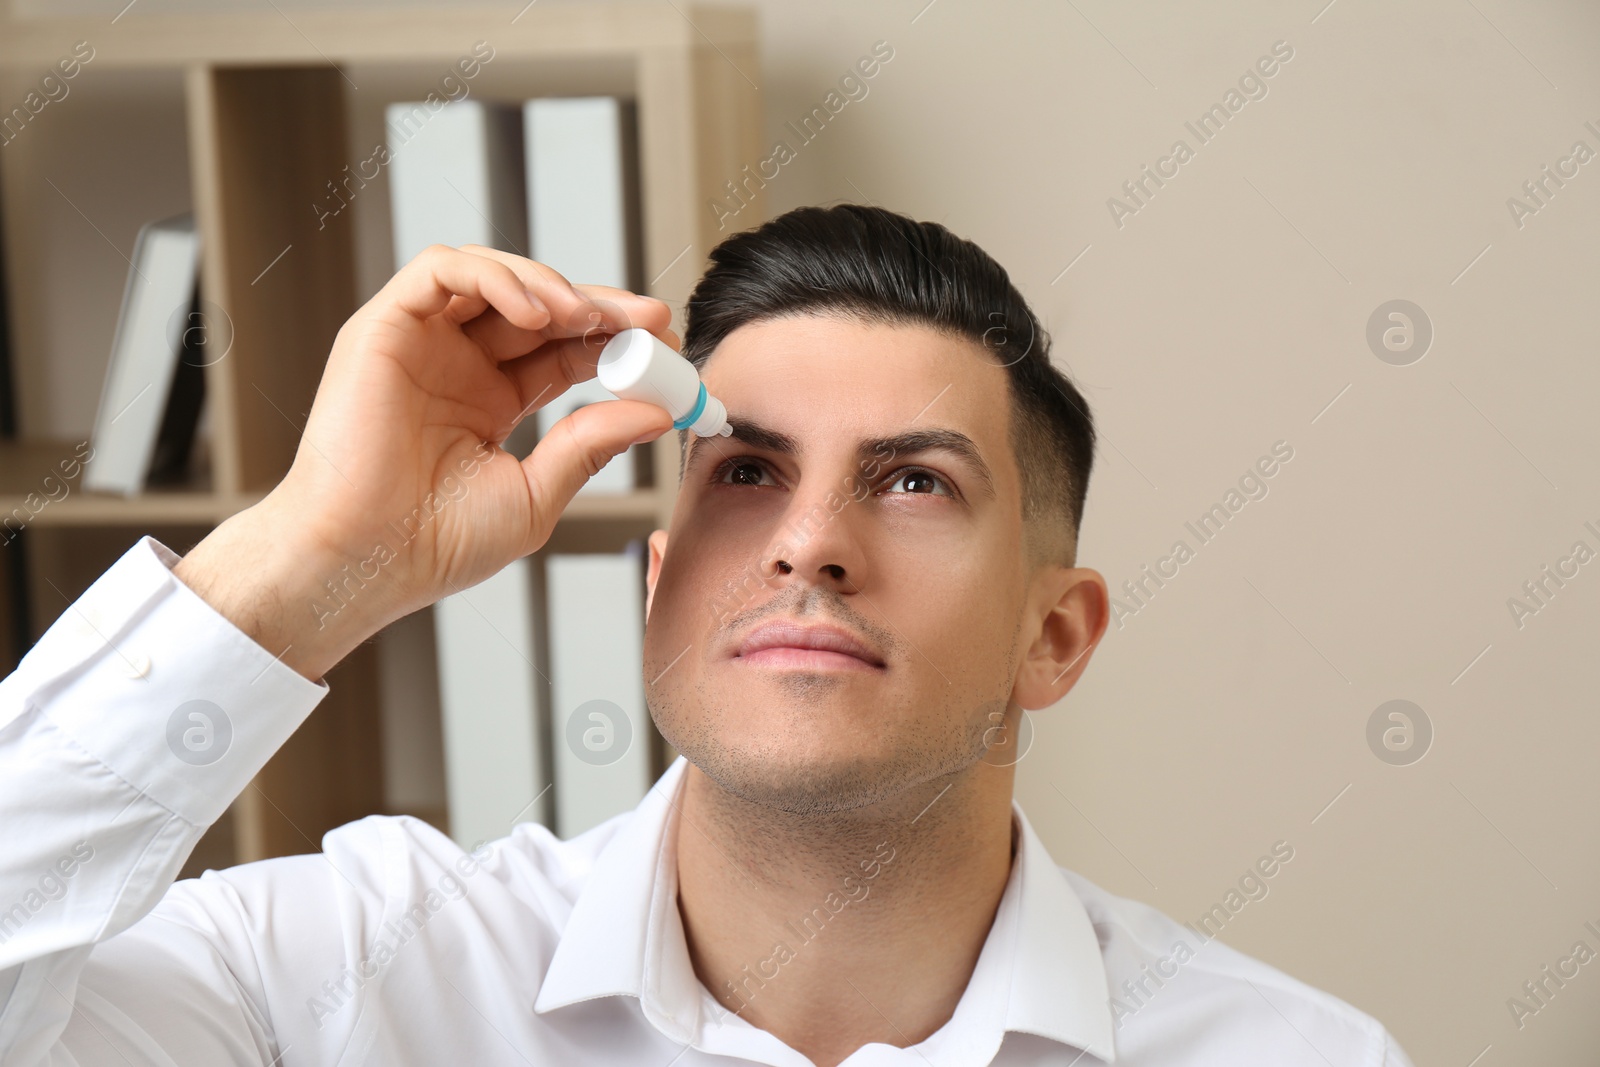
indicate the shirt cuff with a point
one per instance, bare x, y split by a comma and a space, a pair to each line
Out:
162, 688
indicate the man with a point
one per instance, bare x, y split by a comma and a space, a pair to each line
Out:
860, 592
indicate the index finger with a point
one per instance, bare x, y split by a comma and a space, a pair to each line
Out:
654, 315
441, 275
578, 310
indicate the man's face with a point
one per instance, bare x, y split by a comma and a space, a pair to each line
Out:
869, 492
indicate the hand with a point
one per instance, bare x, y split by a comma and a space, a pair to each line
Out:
399, 493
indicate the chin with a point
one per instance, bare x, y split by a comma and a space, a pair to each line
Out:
798, 786
835, 756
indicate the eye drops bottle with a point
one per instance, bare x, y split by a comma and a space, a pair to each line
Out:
636, 365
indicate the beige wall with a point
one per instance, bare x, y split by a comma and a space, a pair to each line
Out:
1229, 314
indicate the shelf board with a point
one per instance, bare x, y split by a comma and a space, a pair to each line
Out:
321, 37
178, 507
645, 505
35, 492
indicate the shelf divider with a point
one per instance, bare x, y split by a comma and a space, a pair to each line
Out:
277, 280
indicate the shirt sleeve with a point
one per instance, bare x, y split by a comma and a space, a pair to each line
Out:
125, 732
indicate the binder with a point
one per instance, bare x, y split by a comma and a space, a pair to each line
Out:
539, 666
582, 188
492, 693
139, 404
583, 221
455, 177
600, 730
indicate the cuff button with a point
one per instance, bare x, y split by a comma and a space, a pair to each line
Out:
137, 665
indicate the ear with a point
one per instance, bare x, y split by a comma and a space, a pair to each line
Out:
1071, 606
658, 550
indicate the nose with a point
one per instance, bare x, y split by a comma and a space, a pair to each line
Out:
817, 541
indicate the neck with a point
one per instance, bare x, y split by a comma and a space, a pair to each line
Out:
832, 931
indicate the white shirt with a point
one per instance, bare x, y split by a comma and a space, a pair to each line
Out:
395, 946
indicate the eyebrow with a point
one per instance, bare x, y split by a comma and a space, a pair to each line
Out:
932, 439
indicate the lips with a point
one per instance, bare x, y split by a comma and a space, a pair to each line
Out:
783, 642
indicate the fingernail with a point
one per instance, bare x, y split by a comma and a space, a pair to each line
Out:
538, 305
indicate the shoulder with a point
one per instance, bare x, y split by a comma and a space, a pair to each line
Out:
383, 879
1180, 996
375, 913
377, 868
395, 861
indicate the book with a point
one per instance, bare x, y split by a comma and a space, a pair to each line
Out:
600, 729
583, 212
140, 408
455, 177
583, 220
175, 438
492, 696
509, 756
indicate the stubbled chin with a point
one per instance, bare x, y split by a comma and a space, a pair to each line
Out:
799, 788
821, 747
827, 770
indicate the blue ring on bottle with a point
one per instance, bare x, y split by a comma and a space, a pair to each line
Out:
694, 412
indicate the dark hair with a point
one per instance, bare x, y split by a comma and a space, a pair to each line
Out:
877, 266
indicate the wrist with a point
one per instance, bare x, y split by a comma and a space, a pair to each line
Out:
257, 574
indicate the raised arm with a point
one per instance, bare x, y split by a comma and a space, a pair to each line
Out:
154, 699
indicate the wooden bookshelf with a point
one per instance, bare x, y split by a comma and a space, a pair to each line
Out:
266, 101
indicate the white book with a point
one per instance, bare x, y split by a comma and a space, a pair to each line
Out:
618, 475
491, 696
600, 729
144, 355
455, 177
578, 187
581, 222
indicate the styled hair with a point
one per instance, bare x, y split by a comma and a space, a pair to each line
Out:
878, 267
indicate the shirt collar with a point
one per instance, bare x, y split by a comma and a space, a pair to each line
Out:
1040, 970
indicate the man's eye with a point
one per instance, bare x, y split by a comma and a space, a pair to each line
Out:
741, 472
913, 480
917, 480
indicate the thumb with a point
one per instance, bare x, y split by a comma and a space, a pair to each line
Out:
577, 446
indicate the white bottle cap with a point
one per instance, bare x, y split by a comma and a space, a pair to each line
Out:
637, 365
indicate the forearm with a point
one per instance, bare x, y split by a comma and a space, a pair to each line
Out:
127, 729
